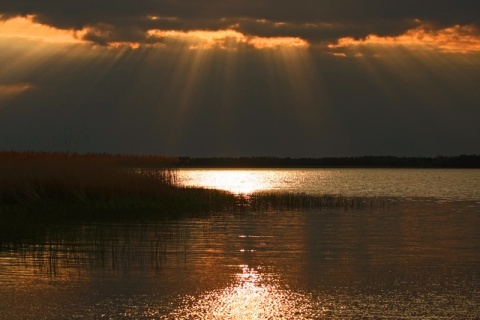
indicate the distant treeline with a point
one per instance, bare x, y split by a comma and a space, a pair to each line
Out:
131, 160
462, 161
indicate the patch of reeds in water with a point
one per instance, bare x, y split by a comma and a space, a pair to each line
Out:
40, 189
278, 200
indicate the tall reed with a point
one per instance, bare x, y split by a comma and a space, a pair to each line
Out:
36, 179
287, 200
40, 189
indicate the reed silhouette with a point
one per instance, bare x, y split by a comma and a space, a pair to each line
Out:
40, 189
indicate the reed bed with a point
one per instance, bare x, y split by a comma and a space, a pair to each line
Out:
43, 189
52, 180
275, 200
38, 189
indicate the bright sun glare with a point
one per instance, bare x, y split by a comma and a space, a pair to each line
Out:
236, 181
253, 295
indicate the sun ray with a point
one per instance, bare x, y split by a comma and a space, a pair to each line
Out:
297, 82
11, 90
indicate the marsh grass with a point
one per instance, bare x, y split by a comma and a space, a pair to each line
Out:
110, 247
278, 200
38, 190
40, 177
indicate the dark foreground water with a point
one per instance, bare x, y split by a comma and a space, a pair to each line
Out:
415, 260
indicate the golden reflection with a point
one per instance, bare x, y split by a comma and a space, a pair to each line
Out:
236, 181
253, 295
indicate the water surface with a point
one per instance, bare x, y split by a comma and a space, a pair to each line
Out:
414, 260
461, 184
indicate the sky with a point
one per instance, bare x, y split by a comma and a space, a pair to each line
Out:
228, 78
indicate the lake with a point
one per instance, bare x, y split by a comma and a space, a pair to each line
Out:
415, 259
452, 184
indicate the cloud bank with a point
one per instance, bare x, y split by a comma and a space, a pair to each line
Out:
322, 21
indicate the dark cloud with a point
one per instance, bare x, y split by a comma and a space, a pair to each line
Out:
313, 20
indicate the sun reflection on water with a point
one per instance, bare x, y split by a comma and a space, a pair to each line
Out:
236, 181
253, 295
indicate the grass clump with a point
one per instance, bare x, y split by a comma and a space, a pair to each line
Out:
38, 177
38, 189
279, 200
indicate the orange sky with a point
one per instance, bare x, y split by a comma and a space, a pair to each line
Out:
455, 39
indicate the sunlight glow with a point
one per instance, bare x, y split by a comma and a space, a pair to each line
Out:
226, 39
199, 39
8, 90
297, 81
12, 90
253, 295
274, 42
26, 28
236, 181
457, 39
